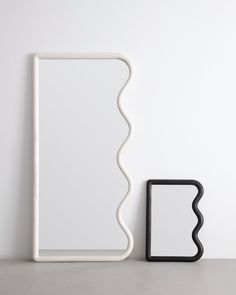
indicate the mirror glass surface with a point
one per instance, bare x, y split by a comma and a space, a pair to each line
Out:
172, 220
80, 132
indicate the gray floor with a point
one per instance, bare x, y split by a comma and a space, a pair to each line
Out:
204, 277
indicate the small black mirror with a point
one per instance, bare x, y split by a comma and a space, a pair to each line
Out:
172, 227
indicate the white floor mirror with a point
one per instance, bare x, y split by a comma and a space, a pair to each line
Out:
80, 183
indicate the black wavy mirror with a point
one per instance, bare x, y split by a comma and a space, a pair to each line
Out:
173, 220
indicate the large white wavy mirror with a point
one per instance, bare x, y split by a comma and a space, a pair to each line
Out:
79, 188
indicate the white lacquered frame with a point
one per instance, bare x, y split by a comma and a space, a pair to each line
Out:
110, 254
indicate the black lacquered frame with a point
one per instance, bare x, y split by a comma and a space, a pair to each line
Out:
195, 238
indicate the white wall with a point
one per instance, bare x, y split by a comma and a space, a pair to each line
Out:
181, 101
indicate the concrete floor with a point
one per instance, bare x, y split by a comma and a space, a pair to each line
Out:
205, 277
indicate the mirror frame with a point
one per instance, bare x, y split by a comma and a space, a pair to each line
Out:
195, 231
109, 256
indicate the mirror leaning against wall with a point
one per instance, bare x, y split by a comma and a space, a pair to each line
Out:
173, 220
79, 186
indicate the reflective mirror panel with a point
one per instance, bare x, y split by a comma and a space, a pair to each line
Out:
80, 132
173, 220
